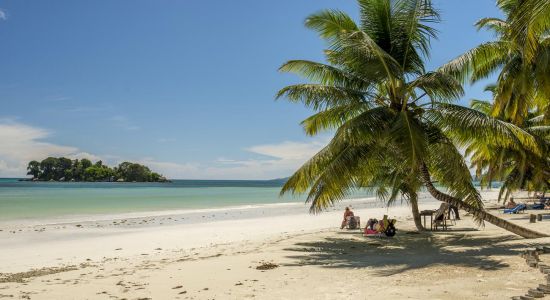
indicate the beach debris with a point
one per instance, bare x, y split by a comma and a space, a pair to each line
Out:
177, 287
20, 277
266, 266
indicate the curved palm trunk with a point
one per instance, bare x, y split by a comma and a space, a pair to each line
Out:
416, 214
479, 213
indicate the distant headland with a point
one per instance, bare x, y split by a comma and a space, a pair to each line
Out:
65, 169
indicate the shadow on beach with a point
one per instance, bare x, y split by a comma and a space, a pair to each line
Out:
406, 251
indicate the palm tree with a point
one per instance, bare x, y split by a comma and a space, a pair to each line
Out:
516, 168
524, 78
530, 21
521, 55
395, 127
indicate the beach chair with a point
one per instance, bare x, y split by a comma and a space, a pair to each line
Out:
515, 210
538, 206
542, 202
441, 216
353, 222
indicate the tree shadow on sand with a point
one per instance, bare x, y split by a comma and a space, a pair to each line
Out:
405, 251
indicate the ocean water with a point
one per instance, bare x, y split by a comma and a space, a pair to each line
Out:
24, 200
35, 200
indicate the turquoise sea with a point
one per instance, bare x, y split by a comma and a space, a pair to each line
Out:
28, 200
38, 200
33, 200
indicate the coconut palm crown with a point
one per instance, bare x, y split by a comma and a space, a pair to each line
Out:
394, 124
516, 168
520, 54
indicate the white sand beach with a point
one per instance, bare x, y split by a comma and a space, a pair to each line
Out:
157, 257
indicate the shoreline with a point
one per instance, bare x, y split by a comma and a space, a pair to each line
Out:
28, 246
73, 232
264, 209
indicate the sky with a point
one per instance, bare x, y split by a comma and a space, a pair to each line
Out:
185, 87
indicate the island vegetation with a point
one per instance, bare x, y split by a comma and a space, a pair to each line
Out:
65, 169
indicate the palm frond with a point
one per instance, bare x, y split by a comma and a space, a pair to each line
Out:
439, 86
321, 97
465, 124
478, 62
324, 74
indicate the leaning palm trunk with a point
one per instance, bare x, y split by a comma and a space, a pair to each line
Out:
416, 214
478, 213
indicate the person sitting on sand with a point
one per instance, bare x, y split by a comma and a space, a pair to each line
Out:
511, 203
371, 228
380, 226
347, 213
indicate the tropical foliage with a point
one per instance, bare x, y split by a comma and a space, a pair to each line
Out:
524, 77
394, 122
64, 169
515, 167
521, 55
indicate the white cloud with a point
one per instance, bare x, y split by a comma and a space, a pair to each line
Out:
22, 143
3, 15
81, 155
289, 150
173, 170
281, 160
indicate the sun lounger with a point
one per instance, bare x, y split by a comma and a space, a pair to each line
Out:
515, 210
538, 206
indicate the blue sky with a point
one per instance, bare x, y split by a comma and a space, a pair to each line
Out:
186, 87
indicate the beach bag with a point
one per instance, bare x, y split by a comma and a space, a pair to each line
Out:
352, 224
390, 231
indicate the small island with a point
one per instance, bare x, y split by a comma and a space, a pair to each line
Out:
65, 169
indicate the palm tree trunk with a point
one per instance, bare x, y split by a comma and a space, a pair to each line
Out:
416, 214
479, 213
